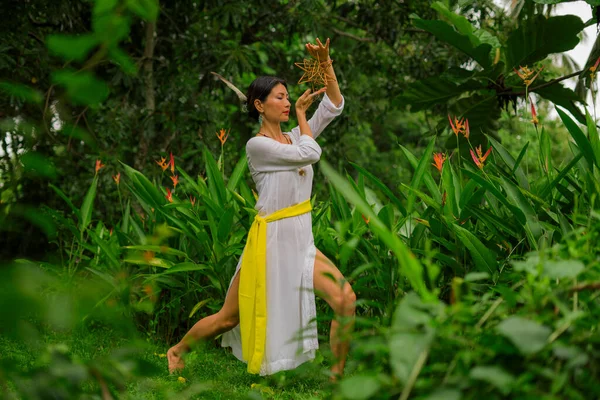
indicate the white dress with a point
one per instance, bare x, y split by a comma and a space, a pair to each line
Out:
275, 168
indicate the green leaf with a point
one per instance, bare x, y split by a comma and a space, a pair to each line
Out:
484, 258
225, 225
146, 9
198, 306
563, 268
582, 142
532, 225
497, 194
409, 264
483, 113
412, 333
451, 207
216, 185
154, 262
111, 27
444, 394
593, 137
510, 163
66, 199
421, 169
144, 187
157, 249
562, 96
563, 173
446, 33
528, 336
360, 387
104, 6
545, 152
106, 250
82, 87
22, 92
38, 164
185, 267
238, 172
381, 186
428, 92
123, 60
538, 36
88, 203
71, 47
427, 178
496, 376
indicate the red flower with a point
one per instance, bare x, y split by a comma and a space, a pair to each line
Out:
172, 163
480, 158
439, 160
175, 179
169, 195
99, 165
223, 135
163, 163
526, 73
534, 117
595, 66
459, 126
117, 177
367, 220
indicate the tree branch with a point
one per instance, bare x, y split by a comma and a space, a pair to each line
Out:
543, 85
351, 36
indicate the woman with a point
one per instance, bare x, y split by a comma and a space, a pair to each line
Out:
280, 164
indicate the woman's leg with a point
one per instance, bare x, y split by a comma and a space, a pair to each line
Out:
331, 286
226, 319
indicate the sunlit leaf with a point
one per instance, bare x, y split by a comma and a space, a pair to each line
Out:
528, 336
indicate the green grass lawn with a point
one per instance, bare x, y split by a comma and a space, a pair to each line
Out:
211, 372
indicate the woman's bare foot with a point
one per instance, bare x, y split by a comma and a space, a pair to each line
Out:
175, 361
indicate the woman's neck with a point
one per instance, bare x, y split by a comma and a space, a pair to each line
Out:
271, 129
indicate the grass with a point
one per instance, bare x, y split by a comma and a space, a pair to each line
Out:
211, 372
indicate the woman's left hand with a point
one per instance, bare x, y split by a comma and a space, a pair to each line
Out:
319, 51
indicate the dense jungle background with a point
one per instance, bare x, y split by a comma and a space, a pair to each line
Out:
457, 192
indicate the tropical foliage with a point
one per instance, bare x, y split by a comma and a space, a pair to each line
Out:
477, 272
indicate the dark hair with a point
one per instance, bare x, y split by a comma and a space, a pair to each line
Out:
260, 89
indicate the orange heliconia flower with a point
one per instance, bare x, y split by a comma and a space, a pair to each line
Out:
117, 178
99, 165
169, 195
459, 126
223, 135
534, 117
480, 158
367, 220
193, 201
175, 179
172, 163
593, 69
526, 74
163, 163
439, 159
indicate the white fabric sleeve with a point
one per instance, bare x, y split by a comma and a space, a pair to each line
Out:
325, 113
268, 155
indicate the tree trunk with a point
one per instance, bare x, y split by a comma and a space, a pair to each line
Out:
148, 68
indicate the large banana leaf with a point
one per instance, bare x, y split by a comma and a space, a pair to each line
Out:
539, 36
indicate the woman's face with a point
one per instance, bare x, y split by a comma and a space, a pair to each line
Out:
276, 107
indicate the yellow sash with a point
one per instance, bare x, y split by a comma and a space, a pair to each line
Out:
252, 294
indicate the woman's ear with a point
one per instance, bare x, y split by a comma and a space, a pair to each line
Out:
258, 105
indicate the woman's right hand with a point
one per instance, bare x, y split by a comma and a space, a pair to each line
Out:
307, 98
